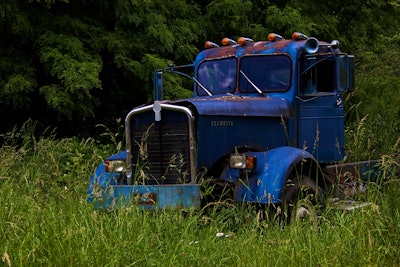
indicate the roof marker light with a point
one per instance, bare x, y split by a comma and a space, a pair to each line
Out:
228, 41
272, 37
299, 36
209, 44
243, 40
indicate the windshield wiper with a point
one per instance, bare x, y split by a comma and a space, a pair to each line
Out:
202, 86
253, 84
193, 79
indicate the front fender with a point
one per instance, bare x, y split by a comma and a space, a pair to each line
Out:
101, 178
265, 184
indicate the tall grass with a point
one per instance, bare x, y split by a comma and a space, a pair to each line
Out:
45, 221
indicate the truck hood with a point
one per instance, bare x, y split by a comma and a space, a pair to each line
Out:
240, 106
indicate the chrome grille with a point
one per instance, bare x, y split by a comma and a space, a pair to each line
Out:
160, 149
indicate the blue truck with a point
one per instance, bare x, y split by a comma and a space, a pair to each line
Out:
265, 123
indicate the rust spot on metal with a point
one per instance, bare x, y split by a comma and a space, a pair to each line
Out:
249, 49
224, 51
233, 98
145, 199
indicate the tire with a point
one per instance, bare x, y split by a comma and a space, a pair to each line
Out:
302, 196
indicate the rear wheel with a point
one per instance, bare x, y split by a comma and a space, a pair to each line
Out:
302, 197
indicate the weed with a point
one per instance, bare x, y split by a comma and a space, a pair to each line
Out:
141, 167
117, 137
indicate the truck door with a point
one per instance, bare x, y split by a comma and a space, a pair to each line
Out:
320, 108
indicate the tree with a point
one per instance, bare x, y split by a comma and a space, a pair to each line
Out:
65, 62
69, 61
154, 35
49, 60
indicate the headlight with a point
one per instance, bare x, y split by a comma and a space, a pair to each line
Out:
242, 162
115, 165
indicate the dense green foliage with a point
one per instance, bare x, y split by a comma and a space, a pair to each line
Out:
65, 63
45, 220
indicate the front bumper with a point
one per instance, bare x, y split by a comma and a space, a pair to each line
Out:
177, 196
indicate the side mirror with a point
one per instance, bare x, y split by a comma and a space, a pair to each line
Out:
350, 73
158, 86
346, 73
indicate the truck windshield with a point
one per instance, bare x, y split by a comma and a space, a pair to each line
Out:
268, 73
217, 76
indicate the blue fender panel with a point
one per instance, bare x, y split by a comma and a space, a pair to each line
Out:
102, 178
265, 184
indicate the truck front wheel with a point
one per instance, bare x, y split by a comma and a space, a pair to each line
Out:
302, 197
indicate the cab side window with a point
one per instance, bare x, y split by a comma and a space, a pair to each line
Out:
318, 77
